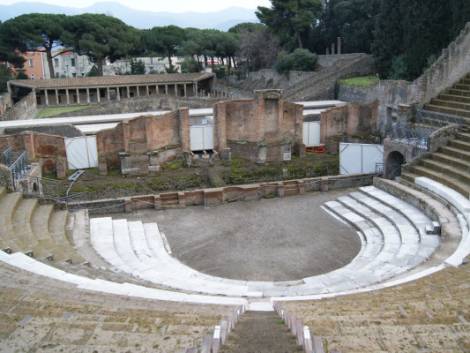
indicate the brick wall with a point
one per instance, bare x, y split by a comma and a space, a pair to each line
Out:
47, 150
143, 135
351, 120
267, 122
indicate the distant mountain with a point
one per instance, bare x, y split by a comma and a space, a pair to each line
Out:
222, 20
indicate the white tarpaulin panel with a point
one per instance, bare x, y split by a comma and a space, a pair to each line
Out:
81, 152
311, 133
356, 158
202, 137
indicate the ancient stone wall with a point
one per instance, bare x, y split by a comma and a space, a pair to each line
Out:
26, 108
138, 142
218, 196
349, 120
5, 103
256, 129
448, 69
47, 150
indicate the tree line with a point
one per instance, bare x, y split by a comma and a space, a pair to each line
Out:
405, 36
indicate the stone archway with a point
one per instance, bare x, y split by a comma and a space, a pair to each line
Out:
393, 164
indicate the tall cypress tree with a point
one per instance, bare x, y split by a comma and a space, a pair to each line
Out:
388, 36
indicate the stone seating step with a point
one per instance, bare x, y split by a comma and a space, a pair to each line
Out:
456, 152
443, 178
464, 136
452, 170
450, 104
57, 230
22, 223
451, 161
452, 111
460, 145
462, 86
458, 92
8, 204
455, 98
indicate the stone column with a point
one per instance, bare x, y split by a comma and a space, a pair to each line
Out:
185, 91
57, 97
148, 90
108, 94
68, 96
338, 47
46, 96
166, 90
138, 90
176, 90
78, 96
183, 117
332, 48
98, 94
157, 89
118, 93
195, 89
88, 95
128, 92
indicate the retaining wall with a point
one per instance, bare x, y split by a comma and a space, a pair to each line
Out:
218, 196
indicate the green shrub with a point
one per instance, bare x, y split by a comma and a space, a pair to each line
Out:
298, 60
189, 65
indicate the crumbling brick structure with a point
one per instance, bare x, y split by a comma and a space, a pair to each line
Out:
47, 150
264, 129
349, 120
138, 146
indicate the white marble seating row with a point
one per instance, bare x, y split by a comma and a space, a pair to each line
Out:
390, 246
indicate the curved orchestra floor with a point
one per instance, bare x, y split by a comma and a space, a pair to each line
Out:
267, 240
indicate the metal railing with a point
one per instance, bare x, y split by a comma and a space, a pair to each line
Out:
7, 156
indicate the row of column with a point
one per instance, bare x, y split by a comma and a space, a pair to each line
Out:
159, 89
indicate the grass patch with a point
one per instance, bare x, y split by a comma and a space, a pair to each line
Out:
361, 81
51, 112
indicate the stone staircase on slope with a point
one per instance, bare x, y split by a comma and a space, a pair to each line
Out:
261, 332
450, 165
454, 101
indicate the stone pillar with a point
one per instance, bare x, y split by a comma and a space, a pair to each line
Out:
185, 90
88, 95
108, 93
339, 45
46, 96
67, 96
220, 114
128, 92
147, 90
184, 129
98, 95
118, 93
332, 48
157, 90
176, 90
195, 89
166, 90
138, 90
57, 97
78, 96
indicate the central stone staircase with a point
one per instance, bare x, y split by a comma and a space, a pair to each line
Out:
261, 332
450, 165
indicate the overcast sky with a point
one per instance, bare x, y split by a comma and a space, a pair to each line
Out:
160, 5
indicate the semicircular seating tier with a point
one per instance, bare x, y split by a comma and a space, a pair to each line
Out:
131, 258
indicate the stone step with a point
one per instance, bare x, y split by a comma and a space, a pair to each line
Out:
57, 229
456, 184
461, 86
260, 332
458, 92
408, 177
454, 98
455, 152
451, 170
464, 136
22, 223
452, 161
451, 104
458, 112
462, 145
8, 205
3, 191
